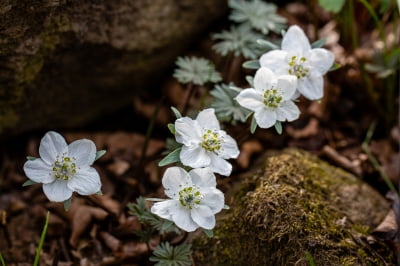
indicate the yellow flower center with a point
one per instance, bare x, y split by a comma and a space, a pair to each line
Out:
272, 98
64, 168
189, 197
211, 141
297, 68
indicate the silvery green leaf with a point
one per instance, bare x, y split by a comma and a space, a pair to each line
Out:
238, 41
278, 127
99, 154
335, 67
100, 193
196, 70
28, 183
173, 157
319, 43
258, 14
176, 112
250, 80
67, 204
167, 255
209, 233
226, 207
225, 105
332, 5
252, 64
171, 128
267, 44
30, 158
253, 125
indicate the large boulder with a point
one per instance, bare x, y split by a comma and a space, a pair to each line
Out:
294, 210
65, 62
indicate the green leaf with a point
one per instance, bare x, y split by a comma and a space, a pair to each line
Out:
176, 112
250, 80
332, 5
3, 263
319, 43
41, 242
253, 125
267, 44
226, 207
335, 66
173, 157
252, 64
99, 154
310, 259
196, 70
30, 158
67, 204
209, 233
278, 127
28, 183
100, 193
167, 255
171, 128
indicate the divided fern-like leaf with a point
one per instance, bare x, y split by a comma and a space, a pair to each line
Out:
167, 255
225, 105
258, 14
196, 70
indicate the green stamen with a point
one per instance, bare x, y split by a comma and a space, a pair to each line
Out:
296, 67
64, 168
189, 197
211, 141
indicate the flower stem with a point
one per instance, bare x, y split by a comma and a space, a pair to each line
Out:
190, 89
42, 237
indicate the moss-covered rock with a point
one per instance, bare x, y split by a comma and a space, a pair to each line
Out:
294, 209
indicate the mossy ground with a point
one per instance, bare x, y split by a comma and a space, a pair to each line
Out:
299, 205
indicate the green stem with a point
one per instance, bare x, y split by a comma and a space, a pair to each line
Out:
42, 237
3, 263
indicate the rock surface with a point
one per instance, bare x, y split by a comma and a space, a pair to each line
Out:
294, 209
65, 62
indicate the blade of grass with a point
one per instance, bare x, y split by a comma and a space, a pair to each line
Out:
3, 263
373, 160
42, 237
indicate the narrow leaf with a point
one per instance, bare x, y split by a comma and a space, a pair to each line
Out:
154, 199
67, 204
100, 193
332, 5
253, 125
250, 80
42, 237
176, 112
310, 259
335, 67
278, 127
173, 157
226, 207
267, 44
28, 183
319, 43
171, 128
3, 263
30, 158
99, 154
209, 233
252, 64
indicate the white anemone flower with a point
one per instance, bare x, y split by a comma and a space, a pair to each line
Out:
271, 98
64, 168
194, 198
204, 144
297, 58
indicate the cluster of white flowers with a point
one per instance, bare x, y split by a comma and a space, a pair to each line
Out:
284, 75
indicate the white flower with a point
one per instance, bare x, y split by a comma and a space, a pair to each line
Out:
64, 168
298, 59
204, 144
194, 198
270, 99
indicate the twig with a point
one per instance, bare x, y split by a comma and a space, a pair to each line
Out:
341, 160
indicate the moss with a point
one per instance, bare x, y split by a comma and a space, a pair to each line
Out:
296, 207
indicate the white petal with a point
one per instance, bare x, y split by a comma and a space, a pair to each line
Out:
214, 199
207, 119
265, 118
195, 158
229, 148
203, 177
84, 151
276, 60
37, 170
250, 99
85, 181
288, 111
174, 179
203, 216
321, 60
311, 87
51, 145
57, 191
220, 166
287, 84
182, 219
164, 208
187, 131
264, 79
295, 41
